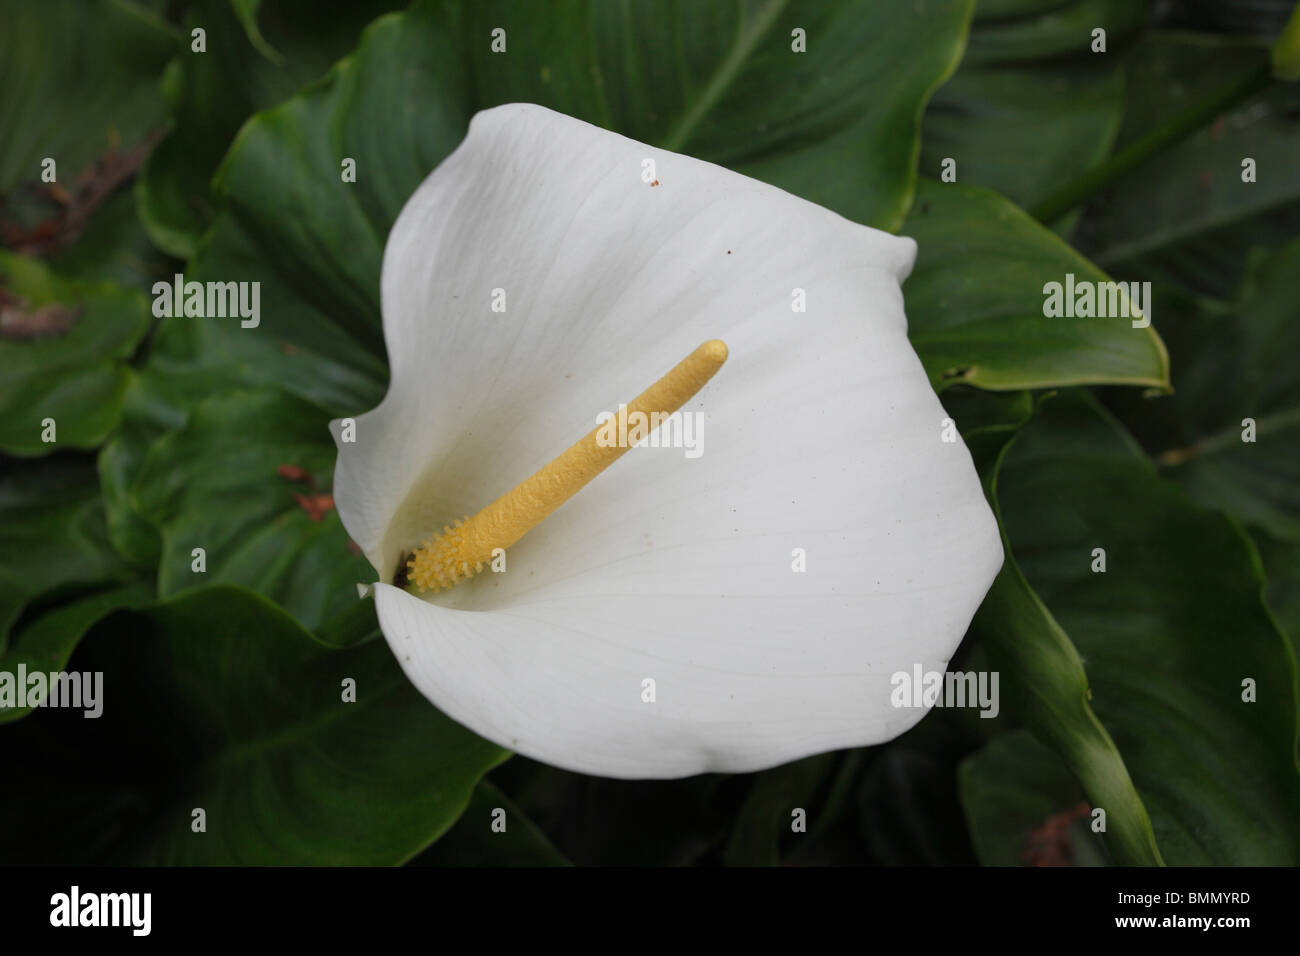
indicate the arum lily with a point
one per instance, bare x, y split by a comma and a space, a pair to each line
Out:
657, 615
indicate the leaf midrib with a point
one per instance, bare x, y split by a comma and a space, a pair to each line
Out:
747, 38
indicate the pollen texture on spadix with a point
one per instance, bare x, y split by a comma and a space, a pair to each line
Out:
463, 547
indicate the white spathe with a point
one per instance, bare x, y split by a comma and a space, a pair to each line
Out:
821, 432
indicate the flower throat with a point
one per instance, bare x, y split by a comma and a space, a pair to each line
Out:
463, 547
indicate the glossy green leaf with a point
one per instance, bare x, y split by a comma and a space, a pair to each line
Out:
52, 535
1186, 215
63, 355
58, 573
137, 540
1174, 634
1238, 366
45, 645
1234, 368
1032, 106
230, 707
80, 78
248, 12
1025, 808
722, 82
1042, 675
975, 302
247, 480
1282, 569
1023, 31
257, 55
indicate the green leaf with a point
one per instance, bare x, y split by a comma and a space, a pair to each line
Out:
82, 78
1169, 633
1027, 31
474, 841
1235, 364
46, 645
54, 549
135, 538
837, 125
1282, 568
1186, 216
1239, 366
975, 302
52, 535
1042, 673
1032, 106
1025, 807
257, 55
768, 814
63, 355
247, 12
228, 706
247, 479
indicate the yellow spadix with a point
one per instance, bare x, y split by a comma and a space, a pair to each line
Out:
462, 548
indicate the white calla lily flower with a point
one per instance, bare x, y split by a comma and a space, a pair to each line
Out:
657, 623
